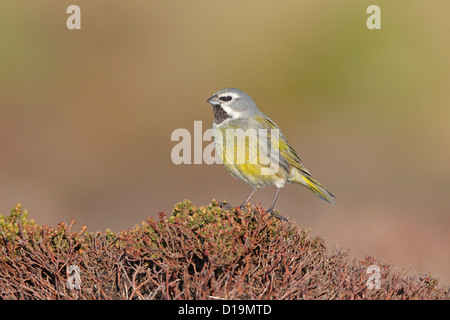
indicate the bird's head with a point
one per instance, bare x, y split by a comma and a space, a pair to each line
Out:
232, 103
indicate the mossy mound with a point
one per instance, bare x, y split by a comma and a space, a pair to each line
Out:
195, 253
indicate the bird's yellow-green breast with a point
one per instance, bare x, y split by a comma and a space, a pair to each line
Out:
249, 154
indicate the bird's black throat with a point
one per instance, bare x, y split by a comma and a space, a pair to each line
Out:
219, 114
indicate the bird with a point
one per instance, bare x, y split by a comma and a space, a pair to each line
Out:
243, 136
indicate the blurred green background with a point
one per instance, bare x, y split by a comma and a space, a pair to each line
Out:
86, 116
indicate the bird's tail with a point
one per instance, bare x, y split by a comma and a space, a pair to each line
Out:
315, 186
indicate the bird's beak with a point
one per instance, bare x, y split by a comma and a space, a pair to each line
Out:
213, 100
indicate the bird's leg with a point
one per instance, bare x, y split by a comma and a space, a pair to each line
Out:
273, 204
242, 206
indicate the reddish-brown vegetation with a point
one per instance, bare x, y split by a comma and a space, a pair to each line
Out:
195, 253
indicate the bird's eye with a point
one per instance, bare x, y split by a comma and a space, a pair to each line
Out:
225, 98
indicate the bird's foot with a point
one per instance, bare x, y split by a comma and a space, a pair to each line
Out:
225, 205
272, 212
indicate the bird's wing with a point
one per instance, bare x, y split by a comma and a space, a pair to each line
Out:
286, 151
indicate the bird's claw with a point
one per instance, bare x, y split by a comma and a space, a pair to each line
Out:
225, 205
272, 212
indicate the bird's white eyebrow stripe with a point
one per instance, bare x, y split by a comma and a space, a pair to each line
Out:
231, 94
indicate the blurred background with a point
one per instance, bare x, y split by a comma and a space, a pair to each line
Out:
86, 116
